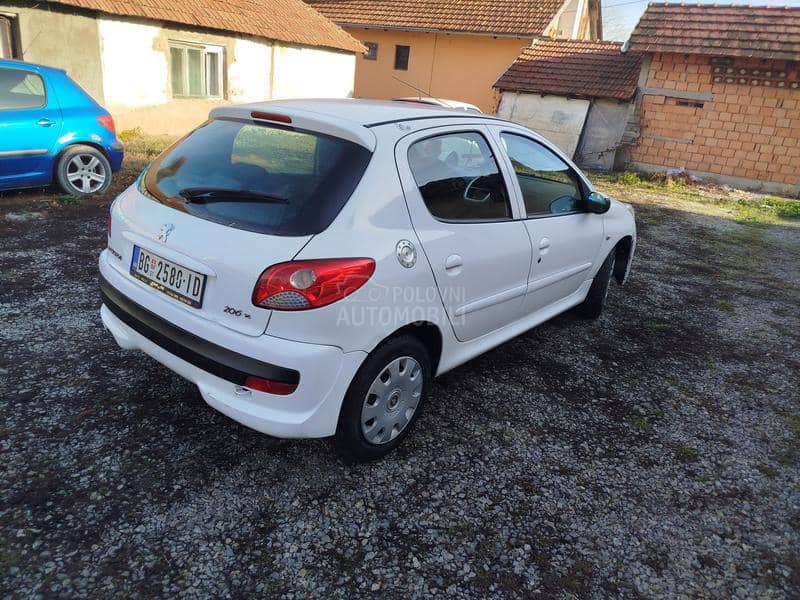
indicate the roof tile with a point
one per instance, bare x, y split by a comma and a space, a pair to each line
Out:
771, 32
289, 21
524, 18
574, 68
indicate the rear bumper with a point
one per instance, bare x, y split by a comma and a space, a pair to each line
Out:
323, 373
116, 154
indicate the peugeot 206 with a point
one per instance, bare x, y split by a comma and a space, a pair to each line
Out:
312, 265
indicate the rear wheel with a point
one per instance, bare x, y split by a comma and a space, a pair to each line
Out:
592, 307
384, 399
83, 170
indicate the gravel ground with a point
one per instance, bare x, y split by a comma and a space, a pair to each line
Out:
653, 453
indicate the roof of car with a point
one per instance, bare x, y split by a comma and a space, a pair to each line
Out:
367, 113
14, 63
347, 118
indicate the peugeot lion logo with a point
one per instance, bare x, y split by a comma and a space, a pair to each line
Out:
164, 232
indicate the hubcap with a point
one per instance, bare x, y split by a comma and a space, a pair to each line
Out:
86, 173
391, 400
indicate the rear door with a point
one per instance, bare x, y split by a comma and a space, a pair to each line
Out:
464, 216
566, 239
30, 124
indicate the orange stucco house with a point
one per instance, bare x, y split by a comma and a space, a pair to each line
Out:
454, 49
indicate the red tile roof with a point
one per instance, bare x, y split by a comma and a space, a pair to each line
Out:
729, 30
574, 68
523, 18
289, 21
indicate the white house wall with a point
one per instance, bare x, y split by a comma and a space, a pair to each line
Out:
135, 70
138, 90
312, 73
250, 72
558, 119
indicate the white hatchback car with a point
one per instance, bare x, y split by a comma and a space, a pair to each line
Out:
312, 265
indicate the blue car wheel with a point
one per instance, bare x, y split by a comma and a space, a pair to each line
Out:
83, 170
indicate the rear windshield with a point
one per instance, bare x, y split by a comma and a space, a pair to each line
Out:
260, 178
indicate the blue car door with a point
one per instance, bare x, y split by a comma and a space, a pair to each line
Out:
30, 124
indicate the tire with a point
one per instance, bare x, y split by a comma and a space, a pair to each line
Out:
405, 360
83, 170
592, 307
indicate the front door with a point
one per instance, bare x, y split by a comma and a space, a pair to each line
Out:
30, 123
462, 213
566, 239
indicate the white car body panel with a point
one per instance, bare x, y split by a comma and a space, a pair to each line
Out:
231, 258
501, 289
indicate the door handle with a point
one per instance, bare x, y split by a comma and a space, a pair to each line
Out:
45, 123
544, 244
453, 262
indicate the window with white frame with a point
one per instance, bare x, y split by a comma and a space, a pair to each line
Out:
196, 70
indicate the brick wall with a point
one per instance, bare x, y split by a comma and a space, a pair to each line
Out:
748, 130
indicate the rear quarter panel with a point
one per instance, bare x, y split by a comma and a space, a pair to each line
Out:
80, 126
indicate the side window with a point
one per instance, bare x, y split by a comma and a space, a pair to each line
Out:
401, 55
372, 51
196, 70
20, 90
458, 178
549, 186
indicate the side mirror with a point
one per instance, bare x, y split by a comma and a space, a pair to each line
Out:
597, 203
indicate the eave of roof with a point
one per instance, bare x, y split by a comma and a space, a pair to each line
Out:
500, 18
289, 21
769, 32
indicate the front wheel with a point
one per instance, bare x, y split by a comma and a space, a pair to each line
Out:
83, 170
384, 400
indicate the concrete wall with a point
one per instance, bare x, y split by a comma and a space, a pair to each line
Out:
52, 35
124, 64
560, 120
312, 73
602, 133
456, 67
734, 131
139, 89
137, 75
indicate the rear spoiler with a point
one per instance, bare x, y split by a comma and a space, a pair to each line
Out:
299, 119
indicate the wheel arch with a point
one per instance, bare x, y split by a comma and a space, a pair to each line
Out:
72, 143
426, 332
622, 259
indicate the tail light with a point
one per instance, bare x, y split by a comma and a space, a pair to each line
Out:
305, 284
107, 121
108, 224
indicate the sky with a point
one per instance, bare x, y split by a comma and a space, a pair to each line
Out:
621, 16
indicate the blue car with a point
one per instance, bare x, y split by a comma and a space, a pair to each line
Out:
51, 130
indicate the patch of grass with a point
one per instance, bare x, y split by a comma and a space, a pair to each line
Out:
641, 424
789, 450
767, 471
726, 306
68, 200
626, 178
686, 453
761, 210
145, 145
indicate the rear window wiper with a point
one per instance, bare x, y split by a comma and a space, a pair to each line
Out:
203, 195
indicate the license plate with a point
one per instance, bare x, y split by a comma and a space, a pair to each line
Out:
172, 279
